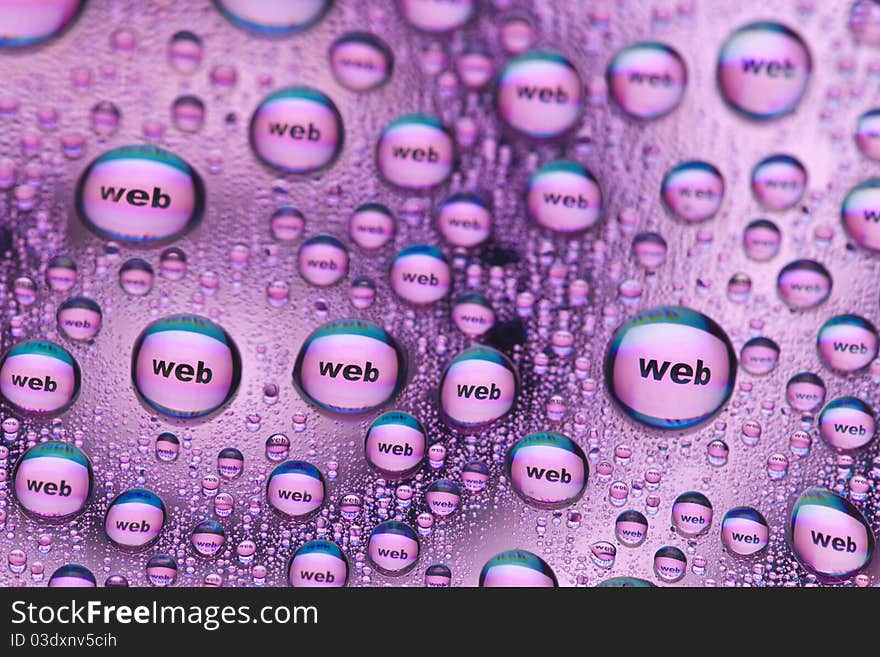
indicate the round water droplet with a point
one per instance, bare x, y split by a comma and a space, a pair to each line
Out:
296, 489
172, 264
61, 273
79, 318
692, 514
185, 366
393, 548
625, 583
361, 61
25, 290
104, 118
438, 575
432, 16
473, 314
442, 497
799, 443
847, 423
371, 226
540, 94
548, 470
287, 224
349, 366
779, 182
763, 70
136, 277
761, 240
277, 447
230, 463
864, 22
188, 113
517, 569
759, 356
739, 287
603, 554
564, 197
860, 213
395, 445
805, 392
134, 519
464, 220
273, 18
670, 358
210, 484
475, 68
670, 564
362, 292
140, 194
631, 528
167, 447
224, 503
692, 191
39, 377
28, 24
829, 535
847, 343
208, 538
10, 427
351, 506
744, 531
804, 284
475, 476
116, 581
478, 387
647, 80
751, 432
415, 151
650, 250
318, 564
72, 576
297, 130
717, 453
420, 274
185, 51
517, 33
323, 260
868, 134
161, 570
53, 481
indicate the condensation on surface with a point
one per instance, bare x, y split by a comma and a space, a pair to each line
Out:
629, 159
